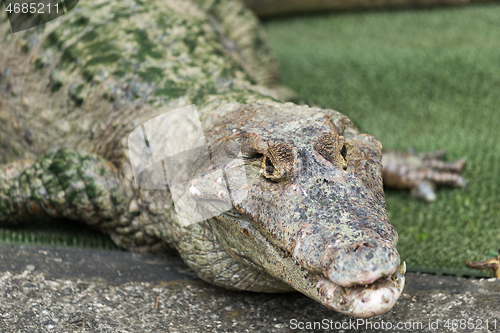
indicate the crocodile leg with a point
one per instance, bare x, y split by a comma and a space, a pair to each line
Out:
77, 186
421, 173
493, 264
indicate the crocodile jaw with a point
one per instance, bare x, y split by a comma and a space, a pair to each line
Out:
366, 297
361, 301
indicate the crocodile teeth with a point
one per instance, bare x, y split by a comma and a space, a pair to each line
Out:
345, 290
400, 273
387, 297
402, 269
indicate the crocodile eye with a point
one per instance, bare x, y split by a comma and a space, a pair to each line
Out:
343, 152
278, 162
332, 147
253, 157
269, 166
268, 170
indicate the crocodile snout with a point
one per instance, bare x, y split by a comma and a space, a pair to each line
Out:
362, 263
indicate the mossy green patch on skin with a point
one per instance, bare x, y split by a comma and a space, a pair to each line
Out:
147, 48
81, 21
151, 74
170, 89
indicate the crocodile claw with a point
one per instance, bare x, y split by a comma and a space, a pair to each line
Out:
492, 264
421, 173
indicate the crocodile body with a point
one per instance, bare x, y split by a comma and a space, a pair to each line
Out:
73, 89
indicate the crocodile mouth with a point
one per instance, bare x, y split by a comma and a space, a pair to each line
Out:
363, 301
367, 294
370, 294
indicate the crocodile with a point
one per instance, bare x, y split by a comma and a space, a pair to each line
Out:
314, 217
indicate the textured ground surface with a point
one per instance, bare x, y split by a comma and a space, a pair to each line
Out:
79, 290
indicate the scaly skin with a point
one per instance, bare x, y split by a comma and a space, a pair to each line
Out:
72, 90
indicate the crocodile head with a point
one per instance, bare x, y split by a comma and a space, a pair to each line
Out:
310, 209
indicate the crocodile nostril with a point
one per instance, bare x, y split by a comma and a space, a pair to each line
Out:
359, 247
360, 263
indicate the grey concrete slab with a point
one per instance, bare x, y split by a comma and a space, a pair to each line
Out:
79, 290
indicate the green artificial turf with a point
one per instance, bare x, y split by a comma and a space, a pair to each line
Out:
426, 79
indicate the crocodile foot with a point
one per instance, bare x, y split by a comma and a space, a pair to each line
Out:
421, 173
492, 264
